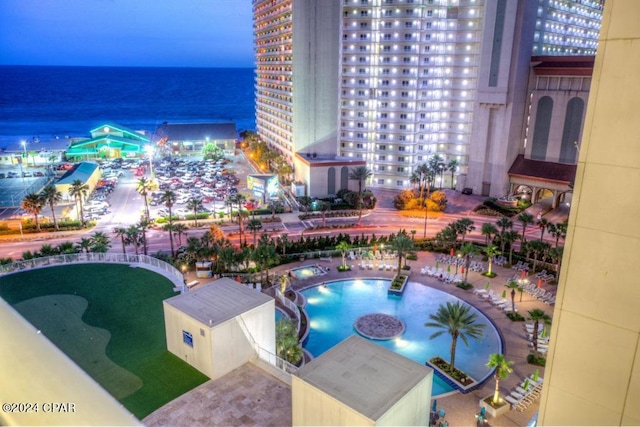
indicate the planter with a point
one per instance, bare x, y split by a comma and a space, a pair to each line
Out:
465, 386
400, 279
496, 411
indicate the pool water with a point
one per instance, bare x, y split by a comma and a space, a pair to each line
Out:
307, 271
332, 310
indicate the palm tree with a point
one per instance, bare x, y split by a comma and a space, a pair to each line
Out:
556, 257
543, 224
343, 247
100, 242
265, 255
143, 187
464, 226
509, 237
133, 237
457, 320
402, 244
514, 286
525, 219
488, 230
195, 205
254, 225
491, 251
168, 198
283, 241
143, 225
468, 250
122, 233
179, 230
452, 166
51, 196
84, 245
287, 343
537, 316
78, 190
503, 369
360, 174
504, 223
33, 204
284, 283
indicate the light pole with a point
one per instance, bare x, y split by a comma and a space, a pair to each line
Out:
150, 149
458, 256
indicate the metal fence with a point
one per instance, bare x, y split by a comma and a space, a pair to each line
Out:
157, 265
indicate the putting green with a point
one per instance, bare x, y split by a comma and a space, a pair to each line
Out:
59, 318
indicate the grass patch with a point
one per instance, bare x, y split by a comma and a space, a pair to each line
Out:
516, 317
466, 286
343, 268
489, 275
538, 361
397, 283
125, 302
454, 373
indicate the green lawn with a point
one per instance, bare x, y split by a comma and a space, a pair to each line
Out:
97, 305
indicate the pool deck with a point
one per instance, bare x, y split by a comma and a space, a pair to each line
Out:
248, 395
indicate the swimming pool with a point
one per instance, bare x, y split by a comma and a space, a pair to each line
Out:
307, 271
332, 310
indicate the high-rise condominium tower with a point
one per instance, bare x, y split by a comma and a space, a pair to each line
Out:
394, 82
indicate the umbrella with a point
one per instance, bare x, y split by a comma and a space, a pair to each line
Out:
434, 407
437, 264
536, 375
526, 384
539, 283
448, 268
504, 294
441, 413
488, 286
451, 252
238, 279
483, 413
524, 274
543, 334
462, 270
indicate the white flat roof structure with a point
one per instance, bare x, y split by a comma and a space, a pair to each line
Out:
218, 302
364, 376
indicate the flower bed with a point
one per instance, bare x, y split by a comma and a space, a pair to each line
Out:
455, 377
397, 285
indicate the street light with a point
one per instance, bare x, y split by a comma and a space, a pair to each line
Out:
459, 255
24, 147
150, 149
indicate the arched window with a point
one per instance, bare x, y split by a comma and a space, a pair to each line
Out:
331, 180
541, 128
571, 131
344, 178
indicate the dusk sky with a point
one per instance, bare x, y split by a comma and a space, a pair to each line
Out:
169, 33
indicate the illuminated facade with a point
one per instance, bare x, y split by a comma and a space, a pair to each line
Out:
567, 27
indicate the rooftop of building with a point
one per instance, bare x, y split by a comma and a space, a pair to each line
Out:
81, 172
563, 65
198, 131
541, 170
218, 302
314, 159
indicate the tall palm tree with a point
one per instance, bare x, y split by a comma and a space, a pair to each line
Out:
537, 316
122, 233
488, 230
526, 219
85, 244
468, 250
179, 230
543, 225
134, 237
78, 190
504, 223
464, 226
282, 243
143, 226
509, 237
514, 286
491, 251
100, 242
33, 204
52, 197
457, 320
503, 369
168, 198
360, 174
343, 247
143, 186
452, 167
254, 225
195, 205
402, 244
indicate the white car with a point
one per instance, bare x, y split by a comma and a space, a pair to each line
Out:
96, 204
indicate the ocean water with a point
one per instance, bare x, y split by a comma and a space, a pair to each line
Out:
46, 102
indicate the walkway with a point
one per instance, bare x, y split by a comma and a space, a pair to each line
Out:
251, 404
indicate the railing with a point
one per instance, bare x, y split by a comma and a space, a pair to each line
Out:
266, 355
171, 272
291, 306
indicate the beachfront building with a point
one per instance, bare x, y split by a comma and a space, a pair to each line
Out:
109, 141
416, 78
33, 151
191, 138
88, 173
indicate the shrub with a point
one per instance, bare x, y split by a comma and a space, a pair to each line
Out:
466, 286
516, 317
538, 361
344, 268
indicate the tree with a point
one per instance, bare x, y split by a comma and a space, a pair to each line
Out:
287, 344
265, 255
360, 174
468, 250
537, 316
509, 237
51, 196
134, 237
254, 225
463, 226
284, 283
143, 186
491, 251
122, 233
503, 369
488, 230
143, 226
195, 205
78, 190
282, 242
179, 230
84, 245
168, 198
504, 223
525, 219
514, 286
402, 244
457, 320
343, 247
452, 167
543, 225
100, 242
33, 204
